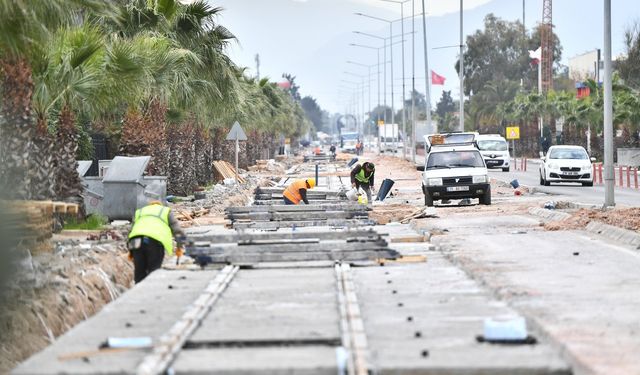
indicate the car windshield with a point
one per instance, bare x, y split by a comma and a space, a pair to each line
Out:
455, 159
493, 145
568, 153
350, 136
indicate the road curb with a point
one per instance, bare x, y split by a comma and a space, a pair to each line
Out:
549, 215
628, 237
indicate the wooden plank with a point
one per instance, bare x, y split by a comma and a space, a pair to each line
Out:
410, 238
404, 259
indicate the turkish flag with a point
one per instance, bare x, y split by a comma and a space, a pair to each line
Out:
437, 79
535, 56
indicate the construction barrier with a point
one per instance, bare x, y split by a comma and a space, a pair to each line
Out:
623, 176
521, 166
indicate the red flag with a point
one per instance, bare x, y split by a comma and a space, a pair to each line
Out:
436, 79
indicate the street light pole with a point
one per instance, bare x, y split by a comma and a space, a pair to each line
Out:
404, 90
461, 71
413, 82
427, 75
391, 54
609, 192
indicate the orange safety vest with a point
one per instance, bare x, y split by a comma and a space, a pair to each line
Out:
292, 192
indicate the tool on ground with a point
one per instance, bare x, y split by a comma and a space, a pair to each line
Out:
127, 342
179, 253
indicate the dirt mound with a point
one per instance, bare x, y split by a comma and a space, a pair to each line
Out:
53, 292
627, 218
387, 213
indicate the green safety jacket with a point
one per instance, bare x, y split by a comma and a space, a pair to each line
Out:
362, 177
153, 221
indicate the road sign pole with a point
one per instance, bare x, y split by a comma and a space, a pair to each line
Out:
237, 152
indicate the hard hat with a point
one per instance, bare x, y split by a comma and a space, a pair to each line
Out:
311, 182
155, 202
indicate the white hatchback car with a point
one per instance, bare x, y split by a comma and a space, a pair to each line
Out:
566, 164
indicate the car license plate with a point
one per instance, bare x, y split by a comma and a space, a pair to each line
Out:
571, 173
458, 188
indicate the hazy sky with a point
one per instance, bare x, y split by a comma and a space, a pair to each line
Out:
310, 38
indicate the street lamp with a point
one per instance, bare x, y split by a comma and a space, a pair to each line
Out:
363, 105
609, 177
390, 22
369, 81
427, 74
404, 90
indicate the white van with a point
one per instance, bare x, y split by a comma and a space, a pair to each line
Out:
495, 151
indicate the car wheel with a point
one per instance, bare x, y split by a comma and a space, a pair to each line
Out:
486, 197
541, 180
505, 169
547, 183
587, 183
428, 200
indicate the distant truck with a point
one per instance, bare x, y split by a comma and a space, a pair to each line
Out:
348, 141
390, 138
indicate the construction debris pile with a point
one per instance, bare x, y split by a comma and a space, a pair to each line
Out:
627, 218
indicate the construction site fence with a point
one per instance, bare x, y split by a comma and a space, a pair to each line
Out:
624, 176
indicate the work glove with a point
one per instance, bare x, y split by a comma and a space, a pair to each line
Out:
179, 252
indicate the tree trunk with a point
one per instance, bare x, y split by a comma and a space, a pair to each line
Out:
16, 129
68, 183
132, 140
43, 163
155, 135
182, 165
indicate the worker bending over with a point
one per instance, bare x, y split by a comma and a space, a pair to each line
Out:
152, 233
297, 191
362, 177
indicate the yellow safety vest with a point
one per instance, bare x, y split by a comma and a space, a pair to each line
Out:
153, 221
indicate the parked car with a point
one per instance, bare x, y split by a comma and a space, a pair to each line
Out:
455, 172
495, 151
566, 164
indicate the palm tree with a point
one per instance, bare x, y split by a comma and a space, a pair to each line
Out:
24, 28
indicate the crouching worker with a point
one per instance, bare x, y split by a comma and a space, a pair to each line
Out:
362, 177
152, 233
297, 191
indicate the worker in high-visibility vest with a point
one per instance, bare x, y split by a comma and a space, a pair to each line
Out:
151, 236
296, 192
362, 177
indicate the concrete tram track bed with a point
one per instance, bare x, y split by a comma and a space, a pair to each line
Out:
399, 308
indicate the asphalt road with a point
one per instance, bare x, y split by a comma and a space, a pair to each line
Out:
576, 192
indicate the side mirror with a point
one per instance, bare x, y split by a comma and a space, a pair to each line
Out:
593, 160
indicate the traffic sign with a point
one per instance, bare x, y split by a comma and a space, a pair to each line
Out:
513, 132
236, 133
